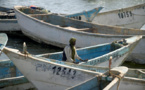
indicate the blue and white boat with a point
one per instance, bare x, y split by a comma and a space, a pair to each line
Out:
86, 15
59, 75
57, 30
92, 53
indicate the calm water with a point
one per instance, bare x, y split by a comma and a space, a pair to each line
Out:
66, 7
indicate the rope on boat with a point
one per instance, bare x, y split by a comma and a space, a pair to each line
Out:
113, 75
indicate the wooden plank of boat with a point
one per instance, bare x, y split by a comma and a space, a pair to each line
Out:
3, 41
54, 75
51, 29
130, 17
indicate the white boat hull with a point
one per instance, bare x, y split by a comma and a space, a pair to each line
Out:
49, 75
131, 17
57, 36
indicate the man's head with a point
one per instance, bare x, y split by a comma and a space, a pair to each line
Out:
72, 41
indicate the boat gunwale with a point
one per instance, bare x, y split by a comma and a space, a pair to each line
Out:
126, 8
18, 53
16, 8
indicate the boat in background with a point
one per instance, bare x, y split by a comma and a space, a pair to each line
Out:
60, 76
3, 41
57, 30
8, 20
130, 17
8, 69
86, 15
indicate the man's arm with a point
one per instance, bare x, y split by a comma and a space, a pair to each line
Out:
77, 56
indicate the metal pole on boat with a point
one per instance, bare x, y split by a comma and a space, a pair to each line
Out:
25, 52
110, 62
24, 48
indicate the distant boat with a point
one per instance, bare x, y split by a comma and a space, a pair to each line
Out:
86, 15
130, 17
3, 41
57, 30
59, 76
8, 20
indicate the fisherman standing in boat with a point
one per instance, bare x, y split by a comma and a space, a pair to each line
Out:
70, 54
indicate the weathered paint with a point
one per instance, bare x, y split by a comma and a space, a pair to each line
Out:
55, 76
8, 21
99, 55
130, 17
15, 83
8, 69
9, 25
135, 75
57, 30
86, 15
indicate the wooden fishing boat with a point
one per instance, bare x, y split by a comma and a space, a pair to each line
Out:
11, 78
130, 17
57, 30
133, 78
60, 76
85, 15
3, 41
99, 55
8, 69
8, 20
16, 83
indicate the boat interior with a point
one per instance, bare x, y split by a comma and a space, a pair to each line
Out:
76, 25
7, 14
57, 20
89, 53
